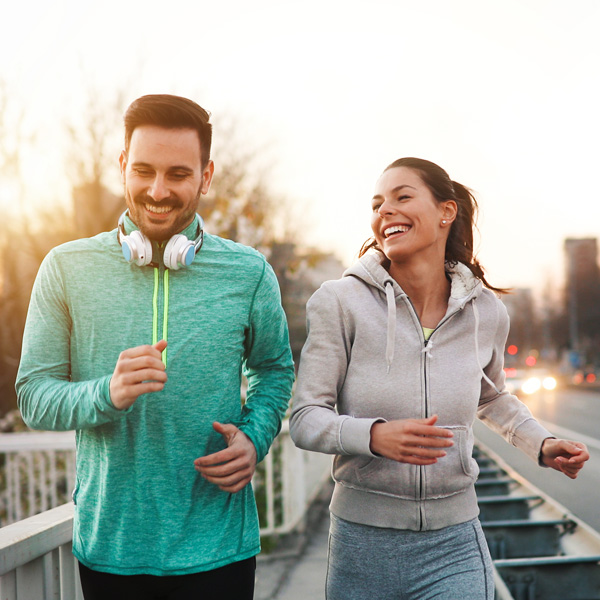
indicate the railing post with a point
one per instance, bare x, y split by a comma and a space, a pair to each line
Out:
8, 586
51, 563
269, 492
30, 483
70, 584
30, 579
53, 479
300, 489
10, 486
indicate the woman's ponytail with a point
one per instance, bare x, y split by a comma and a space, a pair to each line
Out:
460, 246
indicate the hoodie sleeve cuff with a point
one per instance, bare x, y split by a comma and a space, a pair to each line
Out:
107, 406
355, 435
529, 438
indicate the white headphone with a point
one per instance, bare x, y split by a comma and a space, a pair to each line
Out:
179, 251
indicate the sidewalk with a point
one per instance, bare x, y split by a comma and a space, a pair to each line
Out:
297, 572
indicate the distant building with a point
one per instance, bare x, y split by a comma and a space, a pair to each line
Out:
582, 297
524, 332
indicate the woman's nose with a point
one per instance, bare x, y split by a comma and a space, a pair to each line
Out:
385, 209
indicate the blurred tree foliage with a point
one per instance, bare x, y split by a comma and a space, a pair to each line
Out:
240, 206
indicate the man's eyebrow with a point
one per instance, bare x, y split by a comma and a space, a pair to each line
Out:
181, 168
396, 189
172, 168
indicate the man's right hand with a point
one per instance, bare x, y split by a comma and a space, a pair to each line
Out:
139, 370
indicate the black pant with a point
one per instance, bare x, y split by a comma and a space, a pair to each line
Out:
231, 582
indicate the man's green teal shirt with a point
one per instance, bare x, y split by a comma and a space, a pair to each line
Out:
140, 506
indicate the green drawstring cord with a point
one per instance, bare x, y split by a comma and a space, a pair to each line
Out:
165, 311
155, 309
166, 314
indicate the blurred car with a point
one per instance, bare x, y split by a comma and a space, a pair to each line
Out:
525, 382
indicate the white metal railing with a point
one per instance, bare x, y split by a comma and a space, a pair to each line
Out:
35, 553
37, 472
36, 561
286, 483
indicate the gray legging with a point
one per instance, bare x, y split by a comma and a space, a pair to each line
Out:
373, 563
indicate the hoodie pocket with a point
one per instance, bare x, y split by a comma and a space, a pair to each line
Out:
456, 471
376, 475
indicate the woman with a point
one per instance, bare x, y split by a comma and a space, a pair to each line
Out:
402, 354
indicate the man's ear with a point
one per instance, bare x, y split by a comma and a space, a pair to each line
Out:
207, 176
123, 164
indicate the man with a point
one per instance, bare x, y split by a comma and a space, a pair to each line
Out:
137, 338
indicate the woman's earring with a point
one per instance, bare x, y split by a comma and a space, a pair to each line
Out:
444, 222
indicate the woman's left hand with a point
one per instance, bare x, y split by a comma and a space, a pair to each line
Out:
564, 456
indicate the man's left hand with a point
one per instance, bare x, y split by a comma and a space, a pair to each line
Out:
230, 469
564, 456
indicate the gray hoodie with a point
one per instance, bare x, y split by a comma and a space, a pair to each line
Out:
366, 360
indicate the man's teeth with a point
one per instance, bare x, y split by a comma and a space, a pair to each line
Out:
158, 209
396, 229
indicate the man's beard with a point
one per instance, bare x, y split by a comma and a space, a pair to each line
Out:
173, 201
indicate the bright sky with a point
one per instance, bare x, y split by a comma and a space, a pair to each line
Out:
503, 94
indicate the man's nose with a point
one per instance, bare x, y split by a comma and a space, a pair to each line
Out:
158, 189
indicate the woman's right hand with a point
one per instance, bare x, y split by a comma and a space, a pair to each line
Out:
414, 441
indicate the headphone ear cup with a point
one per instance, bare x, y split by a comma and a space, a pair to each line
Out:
137, 248
179, 252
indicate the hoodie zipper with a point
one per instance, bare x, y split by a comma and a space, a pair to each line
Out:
420, 480
426, 388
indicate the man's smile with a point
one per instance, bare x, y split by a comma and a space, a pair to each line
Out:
158, 209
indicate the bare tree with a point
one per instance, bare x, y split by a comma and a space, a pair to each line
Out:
23, 242
240, 205
92, 160
13, 139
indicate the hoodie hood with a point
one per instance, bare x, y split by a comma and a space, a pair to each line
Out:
369, 269
464, 288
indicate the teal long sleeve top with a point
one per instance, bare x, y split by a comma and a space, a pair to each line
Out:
140, 506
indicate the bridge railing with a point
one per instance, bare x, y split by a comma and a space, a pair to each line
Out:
36, 560
35, 552
538, 548
37, 472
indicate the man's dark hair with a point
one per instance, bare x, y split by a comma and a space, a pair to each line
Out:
171, 112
